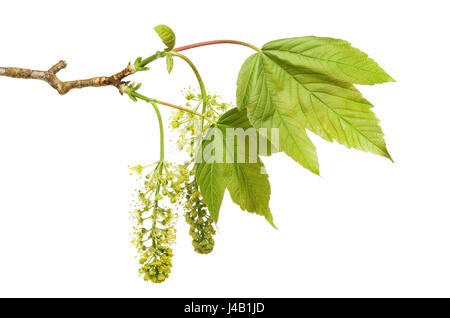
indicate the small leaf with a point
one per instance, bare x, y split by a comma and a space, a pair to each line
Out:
169, 63
167, 36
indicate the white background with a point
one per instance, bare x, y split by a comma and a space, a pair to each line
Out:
367, 227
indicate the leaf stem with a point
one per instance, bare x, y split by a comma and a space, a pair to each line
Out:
199, 44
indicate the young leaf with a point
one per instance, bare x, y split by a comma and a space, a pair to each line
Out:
167, 36
270, 104
169, 63
332, 57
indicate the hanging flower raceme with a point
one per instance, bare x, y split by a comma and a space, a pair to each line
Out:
197, 216
154, 232
190, 130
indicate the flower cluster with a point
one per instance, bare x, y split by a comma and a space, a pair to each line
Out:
154, 229
190, 130
196, 215
171, 186
189, 126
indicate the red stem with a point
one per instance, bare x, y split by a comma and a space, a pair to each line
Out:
191, 46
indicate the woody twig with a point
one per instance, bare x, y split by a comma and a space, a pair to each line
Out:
62, 87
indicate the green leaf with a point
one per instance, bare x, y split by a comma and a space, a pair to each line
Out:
291, 97
249, 185
169, 63
246, 181
249, 188
332, 57
212, 176
167, 35
236, 118
268, 106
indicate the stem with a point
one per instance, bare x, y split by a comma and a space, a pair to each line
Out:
161, 135
151, 58
199, 79
191, 46
159, 167
177, 107
158, 186
152, 100
197, 74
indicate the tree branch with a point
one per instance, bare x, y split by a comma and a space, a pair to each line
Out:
50, 77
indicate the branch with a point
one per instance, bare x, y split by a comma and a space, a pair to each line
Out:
64, 87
